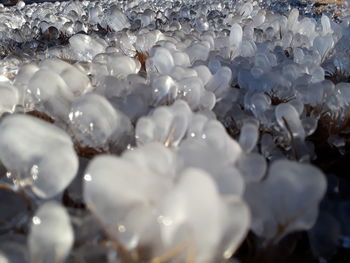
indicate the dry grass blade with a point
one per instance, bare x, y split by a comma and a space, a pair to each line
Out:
41, 115
142, 57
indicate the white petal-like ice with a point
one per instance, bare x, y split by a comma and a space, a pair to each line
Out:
38, 154
95, 123
9, 98
115, 188
75, 79
167, 125
249, 135
236, 35
122, 66
287, 200
116, 19
54, 247
86, 47
210, 227
160, 60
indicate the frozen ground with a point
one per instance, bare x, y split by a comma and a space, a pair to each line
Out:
174, 131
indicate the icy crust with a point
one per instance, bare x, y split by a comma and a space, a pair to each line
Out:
204, 114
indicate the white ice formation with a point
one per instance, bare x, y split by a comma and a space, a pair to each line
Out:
38, 155
51, 218
205, 113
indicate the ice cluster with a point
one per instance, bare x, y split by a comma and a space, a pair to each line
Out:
166, 131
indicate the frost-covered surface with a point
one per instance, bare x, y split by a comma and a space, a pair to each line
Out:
172, 131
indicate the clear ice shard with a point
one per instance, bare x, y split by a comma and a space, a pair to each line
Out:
39, 155
51, 218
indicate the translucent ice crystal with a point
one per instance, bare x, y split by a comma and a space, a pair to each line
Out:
116, 19
51, 218
167, 125
49, 93
122, 66
75, 79
154, 210
252, 166
165, 89
107, 192
8, 98
236, 35
95, 123
184, 217
38, 155
53, 87
249, 135
220, 82
160, 60
287, 200
86, 47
